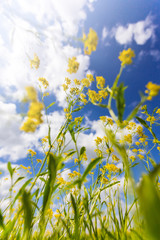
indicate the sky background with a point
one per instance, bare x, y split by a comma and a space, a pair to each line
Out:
49, 28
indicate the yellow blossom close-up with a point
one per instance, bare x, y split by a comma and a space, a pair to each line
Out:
126, 56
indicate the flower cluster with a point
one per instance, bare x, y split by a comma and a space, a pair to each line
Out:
44, 82
34, 114
35, 62
90, 42
152, 90
126, 56
73, 65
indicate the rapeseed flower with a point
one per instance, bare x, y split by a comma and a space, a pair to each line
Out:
126, 56
29, 125
44, 82
153, 90
30, 151
90, 42
31, 94
100, 82
35, 62
73, 65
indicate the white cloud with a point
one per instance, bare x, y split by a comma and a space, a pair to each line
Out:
154, 53
104, 33
140, 32
45, 29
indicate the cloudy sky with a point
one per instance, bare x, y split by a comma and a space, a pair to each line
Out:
48, 28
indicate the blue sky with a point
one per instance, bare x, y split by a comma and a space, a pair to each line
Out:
47, 28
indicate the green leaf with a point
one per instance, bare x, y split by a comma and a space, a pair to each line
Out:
89, 168
82, 150
70, 154
136, 109
102, 105
49, 135
21, 190
46, 196
10, 169
1, 220
70, 128
120, 101
50, 105
150, 203
18, 179
152, 162
146, 126
143, 122
77, 109
76, 218
28, 210
110, 185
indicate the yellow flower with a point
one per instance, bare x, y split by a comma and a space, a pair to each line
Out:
35, 62
31, 94
34, 117
65, 87
49, 213
68, 81
140, 156
139, 130
115, 158
110, 121
103, 118
131, 125
74, 91
142, 139
76, 173
100, 82
110, 150
85, 82
158, 111
90, 77
98, 140
26, 168
44, 140
39, 160
111, 167
153, 90
68, 116
93, 96
90, 42
44, 82
133, 158
104, 180
77, 82
45, 94
61, 180
151, 119
128, 138
98, 152
29, 125
31, 152
126, 56
103, 93
35, 111
83, 98
73, 65
134, 150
